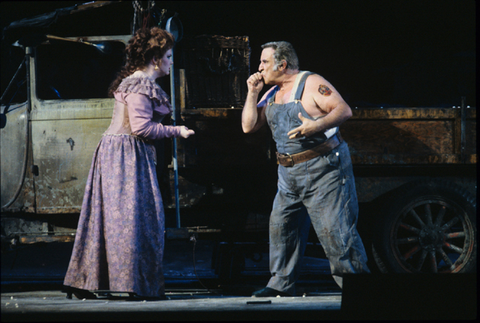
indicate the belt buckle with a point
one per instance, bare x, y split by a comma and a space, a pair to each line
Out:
291, 160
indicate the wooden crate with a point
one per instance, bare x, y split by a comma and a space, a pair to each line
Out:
216, 71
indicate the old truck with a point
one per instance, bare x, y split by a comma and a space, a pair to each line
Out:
415, 167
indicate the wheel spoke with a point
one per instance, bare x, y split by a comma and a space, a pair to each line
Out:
409, 227
433, 260
440, 215
447, 225
428, 214
453, 235
421, 260
446, 259
453, 247
411, 252
416, 217
407, 240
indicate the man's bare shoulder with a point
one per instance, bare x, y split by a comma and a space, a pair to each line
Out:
316, 83
315, 80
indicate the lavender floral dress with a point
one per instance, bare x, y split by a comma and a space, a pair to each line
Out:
120, 235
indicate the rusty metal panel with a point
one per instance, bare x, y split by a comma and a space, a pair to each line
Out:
64, 137
471, 132
404, 113
407, 136
72, 109
399, 137
46, 239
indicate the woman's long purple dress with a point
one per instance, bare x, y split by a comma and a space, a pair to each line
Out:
120, 236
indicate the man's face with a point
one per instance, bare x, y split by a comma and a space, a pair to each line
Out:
267, 64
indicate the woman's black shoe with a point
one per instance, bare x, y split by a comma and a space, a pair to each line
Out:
79, 293
269, 292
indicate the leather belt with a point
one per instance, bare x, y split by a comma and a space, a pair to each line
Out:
288, 160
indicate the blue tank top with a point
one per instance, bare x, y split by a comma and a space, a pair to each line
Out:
284, 117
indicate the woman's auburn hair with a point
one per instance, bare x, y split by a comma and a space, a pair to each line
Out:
146, 44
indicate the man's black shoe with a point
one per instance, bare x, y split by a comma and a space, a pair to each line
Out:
269, 292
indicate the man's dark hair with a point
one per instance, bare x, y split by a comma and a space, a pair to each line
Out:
283, 52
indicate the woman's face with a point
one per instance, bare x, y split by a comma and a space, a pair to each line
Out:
166, 62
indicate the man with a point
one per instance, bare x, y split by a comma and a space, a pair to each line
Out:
315, 173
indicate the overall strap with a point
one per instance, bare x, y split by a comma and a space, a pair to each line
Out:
271, 96
301, 85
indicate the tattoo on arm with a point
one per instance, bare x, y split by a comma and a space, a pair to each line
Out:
324, 90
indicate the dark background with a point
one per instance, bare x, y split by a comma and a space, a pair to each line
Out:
376, 53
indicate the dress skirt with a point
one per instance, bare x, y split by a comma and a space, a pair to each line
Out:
120, 235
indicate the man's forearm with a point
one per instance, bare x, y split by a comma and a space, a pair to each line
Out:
335, 118
250, 113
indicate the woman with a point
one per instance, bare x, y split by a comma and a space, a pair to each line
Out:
120, 235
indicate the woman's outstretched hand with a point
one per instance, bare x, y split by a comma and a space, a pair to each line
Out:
185, 132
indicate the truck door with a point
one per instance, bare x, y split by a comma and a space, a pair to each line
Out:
70, 112
14, 131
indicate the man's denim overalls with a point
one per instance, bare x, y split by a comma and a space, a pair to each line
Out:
326, 187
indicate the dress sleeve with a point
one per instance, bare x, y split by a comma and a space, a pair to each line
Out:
140, 111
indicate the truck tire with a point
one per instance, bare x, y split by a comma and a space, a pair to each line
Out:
427, 226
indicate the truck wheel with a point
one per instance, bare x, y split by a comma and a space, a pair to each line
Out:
427, 227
